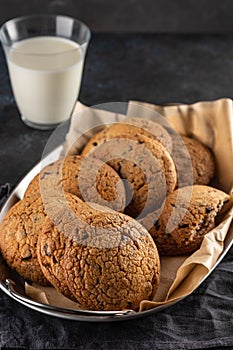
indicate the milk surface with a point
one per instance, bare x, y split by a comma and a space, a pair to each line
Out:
45, 74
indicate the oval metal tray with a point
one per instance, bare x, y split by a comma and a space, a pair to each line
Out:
13, 285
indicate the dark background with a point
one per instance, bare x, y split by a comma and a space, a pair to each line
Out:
158, 51
160, 16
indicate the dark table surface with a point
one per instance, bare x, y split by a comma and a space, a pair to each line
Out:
120, 67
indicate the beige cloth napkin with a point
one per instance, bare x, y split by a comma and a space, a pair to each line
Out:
212, 124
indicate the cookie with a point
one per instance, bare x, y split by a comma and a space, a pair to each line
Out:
144, 163
132, 128
18, 239
32, 192
188, 214
202, 161
106, 259
89, 179
49, 262
194, 161
52, 174
51, 253
152, 129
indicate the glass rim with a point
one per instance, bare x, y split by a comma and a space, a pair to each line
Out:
22, 18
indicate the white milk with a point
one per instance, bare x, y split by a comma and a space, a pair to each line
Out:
45, 75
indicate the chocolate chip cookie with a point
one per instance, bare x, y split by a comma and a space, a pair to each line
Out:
18, 239
131, 128
188, 214
153, 130
194, 161
144, 163
202, 161
106, 260
89, 179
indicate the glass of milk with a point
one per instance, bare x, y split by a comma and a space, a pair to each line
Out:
45, 56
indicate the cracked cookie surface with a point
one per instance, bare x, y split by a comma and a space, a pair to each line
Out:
108, 262
188, 214
194, 161
132, 127
18, 239
89, 179
144, 163
202, 160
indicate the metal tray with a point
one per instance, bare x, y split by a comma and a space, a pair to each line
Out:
13, 285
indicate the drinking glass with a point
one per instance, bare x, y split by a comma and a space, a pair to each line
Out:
45, 56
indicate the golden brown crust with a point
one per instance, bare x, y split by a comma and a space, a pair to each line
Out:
32, 192
18, 239
131, 128
194, 161
143, 162
109, 261
188, 214
153, 130
202, 161
50, 262
89, 179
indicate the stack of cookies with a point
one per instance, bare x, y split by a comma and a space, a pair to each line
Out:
93, 225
